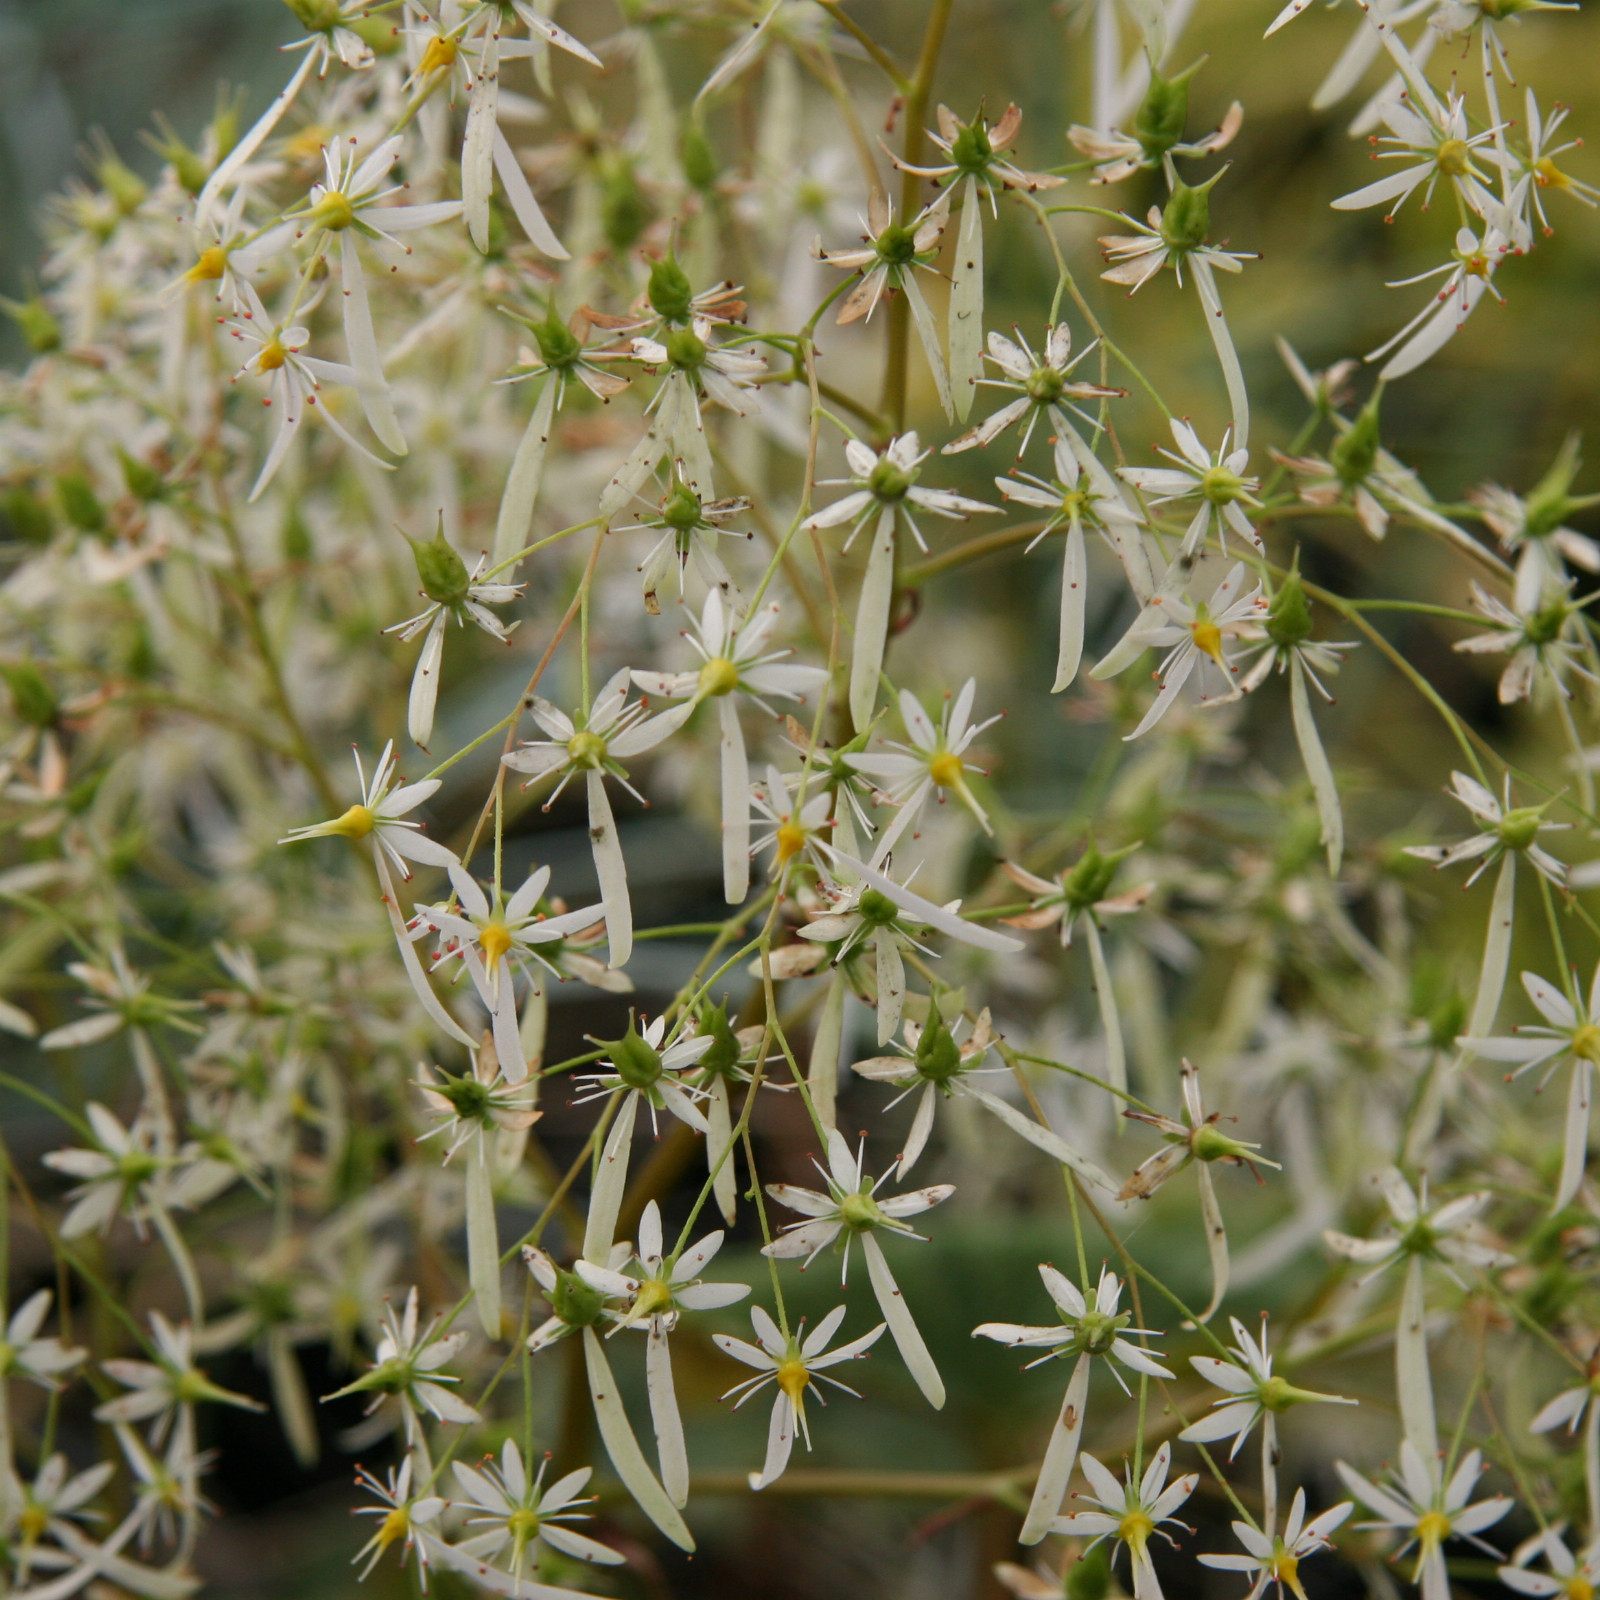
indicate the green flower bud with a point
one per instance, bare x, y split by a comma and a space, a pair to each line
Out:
469, 1098
577, 1303
897, 245
971, 149
637, 1062
24, 516
295, 539
315, 16
1159, 122
877, 910
685, 348
681, 508
1550, 503
1289, 615
125, 187
1209, 1143
889, 482
1545, 625
39, 329
1518, 827
938, 1055
698, 158
722, 1059
32, 699
186, 164
558, 345
378, 34
442, 572
1090, 878
80, 503
671, 295
143, 480
1356, 453
1186, 222
1446, 1021
860, 1213
625, 209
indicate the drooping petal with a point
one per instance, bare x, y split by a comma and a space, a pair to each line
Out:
1060, 1456
902, 1326
612, 871
872, 620
371, 384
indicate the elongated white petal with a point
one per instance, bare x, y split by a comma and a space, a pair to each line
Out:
735, 806
926, 911
232, 163
523, 481
665, 1417
902, 1326
872, 620
1060, 1456
780, 1442
1216, 1240
616, 1432
1316, 764
1074, 576
966, 303
921, 1127
362, 341
1110, 1020
719, 1151
1575, 1140
928, 336
612, 871
822, 1072
528, 211
1496, 950
425, 682
891, 983
611, 1178
1041, 1138
1413, 1382
477, 147
408, 958
1227, 356
483, 1240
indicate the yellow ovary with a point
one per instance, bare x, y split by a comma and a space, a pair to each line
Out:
1208, 637
945, 768
494, 940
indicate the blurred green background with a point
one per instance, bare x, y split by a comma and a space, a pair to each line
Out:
1495, 404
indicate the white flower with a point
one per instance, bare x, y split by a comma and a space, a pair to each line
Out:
521, 1513
159, 1389
406, 1367
735, 661
574, 1304
1130, 1513
1083, 491
1219, 481
51, 1505
1543, 635
1428, 1511
689, 527
1276, 1559
1437, 141
1569, 1030
894, 251
796, 826
639, 1067
277, 353
380, 815
24, 1354
792, 1365
655, 1293
1468, 275
403, 1515
1043, 386
1568, 1576
348, 203
1250, 1391
1537, 159
452, 592
1533, 526
851, 1210
595, 744
116, 1177
1196, 635
489, 939
1083, 1333
1510, 830
885, 488
868, 905
1440, 1234
934, 760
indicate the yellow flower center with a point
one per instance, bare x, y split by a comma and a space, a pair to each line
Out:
307, 144
212, 264
1579, 1588
791, 841
1208, 637
440, 54
32, 1522
1586, 1042
945, 768
394, 1526
271, 355
718, 676
356, 823
653, 1296
494, 940
1476, 266
1135, 1529
1454, 157
523, 1524
1549, 176
1433, 1529
1285, 1568
333, 211
793, 1378
586, 749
